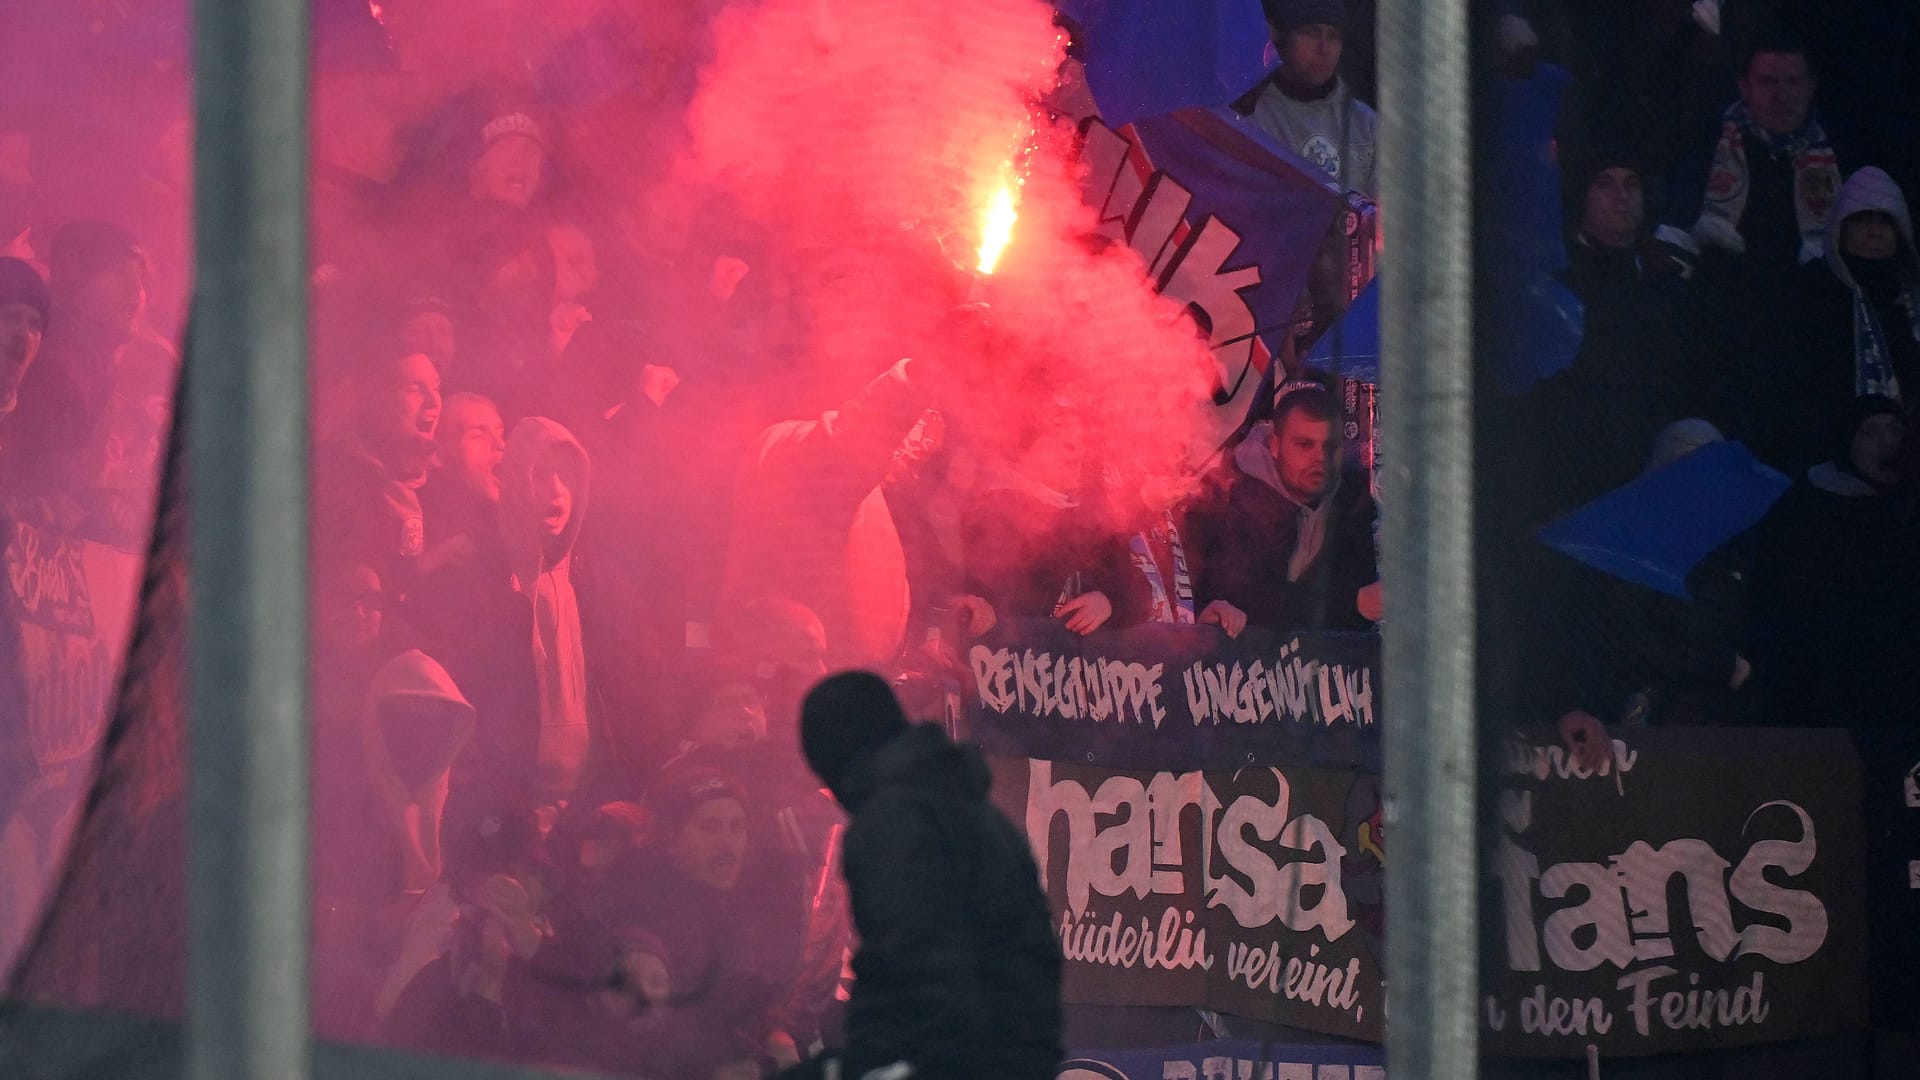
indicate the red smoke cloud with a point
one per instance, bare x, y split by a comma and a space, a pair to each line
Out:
868, 139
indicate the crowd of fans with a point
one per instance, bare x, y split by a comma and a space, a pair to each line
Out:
1756, 284
572, 580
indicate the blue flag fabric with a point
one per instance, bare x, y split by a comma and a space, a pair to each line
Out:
1655, 530
1225, 221
1279, 204
1352, 345
1146, 57
1533, 331
1532, 328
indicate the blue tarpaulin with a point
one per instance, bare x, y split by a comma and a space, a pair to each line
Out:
1655, 530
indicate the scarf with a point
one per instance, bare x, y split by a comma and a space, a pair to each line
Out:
1872, 361
1872, 358
1164, 536
1816, 177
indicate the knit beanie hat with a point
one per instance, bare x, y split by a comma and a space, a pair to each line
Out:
682, 790
20, 283
1289, 15
1857, 412
1581, 165
846, 718
511, 123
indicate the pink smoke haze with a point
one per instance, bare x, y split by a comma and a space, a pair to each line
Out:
869, 137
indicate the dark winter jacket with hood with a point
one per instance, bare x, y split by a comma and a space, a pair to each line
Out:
1638, 369
1245, 535
367, 511
1836, 626
379, 789
1851, 322
500, 612
958, 971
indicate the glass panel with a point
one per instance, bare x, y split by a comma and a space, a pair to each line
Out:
671, 357
95, 261
1696, 544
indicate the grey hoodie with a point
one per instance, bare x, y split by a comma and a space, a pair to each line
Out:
1875, 355
410, 794
1336, 132
1866, 190
1253, 458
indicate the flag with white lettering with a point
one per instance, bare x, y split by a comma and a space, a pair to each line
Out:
1227, 223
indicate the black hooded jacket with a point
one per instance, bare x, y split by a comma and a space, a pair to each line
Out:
958, 972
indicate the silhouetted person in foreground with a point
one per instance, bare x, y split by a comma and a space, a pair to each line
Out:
958, 972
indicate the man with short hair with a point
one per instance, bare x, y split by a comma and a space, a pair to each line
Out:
465, 488
1277, 539
1773, 173
1304, 105
366, 483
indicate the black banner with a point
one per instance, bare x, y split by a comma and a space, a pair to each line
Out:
1228, 1060
1255, 892
1177, 697
1890, 776
1704, 889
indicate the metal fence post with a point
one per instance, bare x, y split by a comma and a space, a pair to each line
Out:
1427, 498
246, 430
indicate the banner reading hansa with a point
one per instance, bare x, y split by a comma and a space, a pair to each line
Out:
1255, 892
1176, 697
1704, 890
